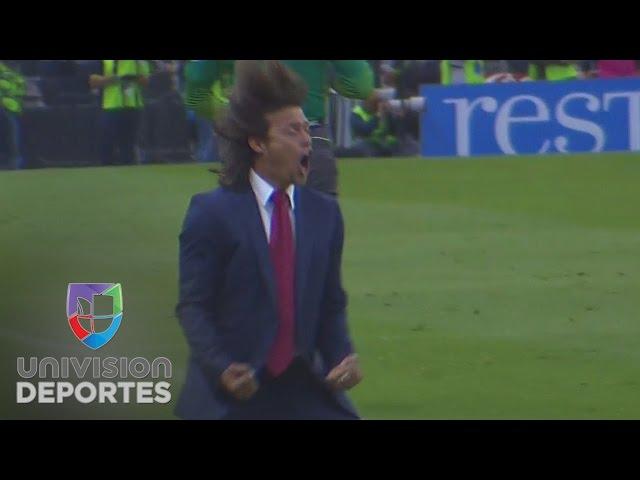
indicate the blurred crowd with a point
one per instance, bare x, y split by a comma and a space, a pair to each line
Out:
389, 127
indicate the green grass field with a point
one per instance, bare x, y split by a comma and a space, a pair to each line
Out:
490, 288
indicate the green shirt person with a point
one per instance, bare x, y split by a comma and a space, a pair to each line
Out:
12, 90
208, 83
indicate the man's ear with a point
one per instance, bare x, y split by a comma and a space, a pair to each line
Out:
256, 145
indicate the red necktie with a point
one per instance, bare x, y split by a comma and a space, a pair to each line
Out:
283, 258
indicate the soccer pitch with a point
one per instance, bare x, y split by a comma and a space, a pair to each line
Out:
493, 288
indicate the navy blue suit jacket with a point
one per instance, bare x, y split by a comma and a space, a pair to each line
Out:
227, 304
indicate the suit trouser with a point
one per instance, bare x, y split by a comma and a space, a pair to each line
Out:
296, 395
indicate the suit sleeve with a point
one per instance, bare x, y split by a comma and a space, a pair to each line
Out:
200, 278
334, 342
353, 78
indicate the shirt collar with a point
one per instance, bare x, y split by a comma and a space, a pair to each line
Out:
263, 189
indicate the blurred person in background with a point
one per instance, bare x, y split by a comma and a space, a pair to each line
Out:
459, 72
371, 129
519, 70
170, 69
406, 77
616, 68
207, 86
498, 71
12, 91
587, 69
554, 70
121, 82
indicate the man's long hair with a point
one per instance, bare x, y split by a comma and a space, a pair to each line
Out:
260, 87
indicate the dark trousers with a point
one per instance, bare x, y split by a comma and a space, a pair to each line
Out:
10, 140
119, 136
323, 174
295, 395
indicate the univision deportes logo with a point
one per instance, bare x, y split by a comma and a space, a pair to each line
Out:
94, 313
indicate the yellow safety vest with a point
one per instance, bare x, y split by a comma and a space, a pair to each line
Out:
124, 93
473, 72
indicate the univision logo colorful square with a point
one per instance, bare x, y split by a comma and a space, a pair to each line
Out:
94, 311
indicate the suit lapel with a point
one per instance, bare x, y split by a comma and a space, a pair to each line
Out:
259, 240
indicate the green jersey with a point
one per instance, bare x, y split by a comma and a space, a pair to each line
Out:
207, 86
208, 81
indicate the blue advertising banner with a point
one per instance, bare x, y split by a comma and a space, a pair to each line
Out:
531, 118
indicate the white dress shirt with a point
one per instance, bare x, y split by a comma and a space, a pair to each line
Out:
263, 191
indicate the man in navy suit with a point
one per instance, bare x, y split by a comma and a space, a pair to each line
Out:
261, 300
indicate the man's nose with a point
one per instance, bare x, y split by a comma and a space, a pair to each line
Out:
306, 140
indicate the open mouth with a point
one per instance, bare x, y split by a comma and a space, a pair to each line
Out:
304, 162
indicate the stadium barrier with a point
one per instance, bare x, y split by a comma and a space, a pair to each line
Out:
69, 135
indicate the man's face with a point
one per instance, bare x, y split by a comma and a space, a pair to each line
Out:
283, 157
